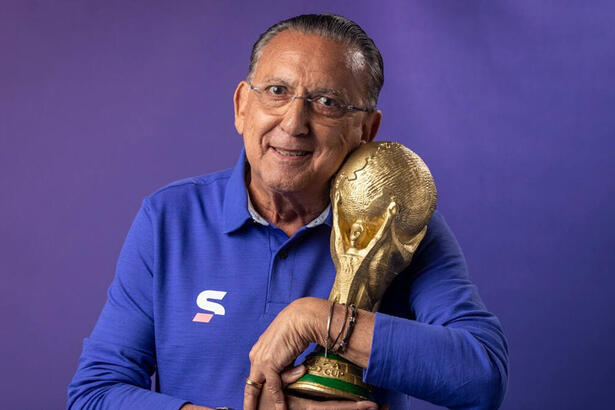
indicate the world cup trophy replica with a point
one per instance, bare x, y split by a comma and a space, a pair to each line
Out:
382, 197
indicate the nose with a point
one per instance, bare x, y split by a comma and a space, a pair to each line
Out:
295, 121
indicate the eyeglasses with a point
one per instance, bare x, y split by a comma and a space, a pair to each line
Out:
276, 99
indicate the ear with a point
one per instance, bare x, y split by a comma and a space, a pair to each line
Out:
240, 100
371, 125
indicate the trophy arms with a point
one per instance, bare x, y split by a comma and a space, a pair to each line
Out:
355, 273
341, 249
338, 242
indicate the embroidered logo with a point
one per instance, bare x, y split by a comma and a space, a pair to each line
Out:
203, 301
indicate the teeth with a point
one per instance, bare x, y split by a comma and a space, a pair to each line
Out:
291, 153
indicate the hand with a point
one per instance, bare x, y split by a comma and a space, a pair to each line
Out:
266, 400
286, 337
296, 403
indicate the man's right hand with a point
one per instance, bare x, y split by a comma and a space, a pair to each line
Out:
295, 403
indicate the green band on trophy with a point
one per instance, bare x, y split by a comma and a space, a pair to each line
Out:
332, 375
336, 384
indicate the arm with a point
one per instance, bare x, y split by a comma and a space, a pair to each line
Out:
118, 358
453, 354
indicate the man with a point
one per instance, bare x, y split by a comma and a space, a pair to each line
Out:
251, 246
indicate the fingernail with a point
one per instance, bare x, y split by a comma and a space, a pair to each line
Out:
297, 370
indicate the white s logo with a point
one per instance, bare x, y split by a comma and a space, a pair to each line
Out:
203, 302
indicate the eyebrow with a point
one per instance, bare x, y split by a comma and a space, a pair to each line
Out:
327, 91
276, 80
281, 81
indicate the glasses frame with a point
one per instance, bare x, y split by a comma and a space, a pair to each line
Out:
310, 99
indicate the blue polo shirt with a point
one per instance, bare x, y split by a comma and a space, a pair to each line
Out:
201, 276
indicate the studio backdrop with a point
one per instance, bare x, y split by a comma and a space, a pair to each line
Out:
510, 103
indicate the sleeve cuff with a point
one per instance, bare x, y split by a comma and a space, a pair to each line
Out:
380, 352
396, 348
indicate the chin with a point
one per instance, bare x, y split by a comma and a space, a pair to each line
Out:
289, 185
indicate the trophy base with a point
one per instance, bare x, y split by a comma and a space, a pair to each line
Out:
331, 378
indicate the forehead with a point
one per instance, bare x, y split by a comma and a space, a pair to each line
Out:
311, 61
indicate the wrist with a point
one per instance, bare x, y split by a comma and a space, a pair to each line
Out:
312, 314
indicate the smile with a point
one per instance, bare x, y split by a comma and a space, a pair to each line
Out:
290, 153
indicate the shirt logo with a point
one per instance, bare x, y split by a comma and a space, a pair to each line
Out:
203, 301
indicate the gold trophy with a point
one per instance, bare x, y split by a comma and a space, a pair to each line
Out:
382, 197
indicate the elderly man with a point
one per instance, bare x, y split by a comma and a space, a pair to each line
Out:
224, 278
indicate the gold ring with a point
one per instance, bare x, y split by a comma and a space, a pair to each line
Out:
255, 384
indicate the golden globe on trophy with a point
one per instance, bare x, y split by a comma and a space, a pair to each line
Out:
382, 197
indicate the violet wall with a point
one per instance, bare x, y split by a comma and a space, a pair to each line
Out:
510, 103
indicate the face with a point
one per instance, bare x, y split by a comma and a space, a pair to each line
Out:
292, 151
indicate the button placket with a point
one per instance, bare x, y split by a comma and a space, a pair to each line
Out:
280, 273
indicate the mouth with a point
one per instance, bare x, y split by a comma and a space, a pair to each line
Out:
290, 153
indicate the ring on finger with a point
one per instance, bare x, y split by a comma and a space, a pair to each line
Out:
255, 384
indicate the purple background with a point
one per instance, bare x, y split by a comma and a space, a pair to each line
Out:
510, 103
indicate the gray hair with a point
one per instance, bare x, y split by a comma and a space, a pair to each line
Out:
336, 28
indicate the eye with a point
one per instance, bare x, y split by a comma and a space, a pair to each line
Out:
326, 101
276, 90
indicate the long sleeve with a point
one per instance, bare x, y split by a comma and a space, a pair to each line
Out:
440, 344
119, 357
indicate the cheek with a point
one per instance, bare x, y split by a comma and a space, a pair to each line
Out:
256, 126
346, 136
352, 133
250, 142
346, 143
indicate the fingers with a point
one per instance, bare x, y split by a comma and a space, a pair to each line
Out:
275, 389
296, 403
251, 392
266, 401
279, 345
367, 405
272, 388
292, 375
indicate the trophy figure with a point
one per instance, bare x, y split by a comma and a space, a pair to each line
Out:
382, 197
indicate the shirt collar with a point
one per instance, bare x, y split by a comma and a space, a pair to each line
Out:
238, 208
319, 220
255, 215
235, 211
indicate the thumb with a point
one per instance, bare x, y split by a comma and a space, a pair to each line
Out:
292, 375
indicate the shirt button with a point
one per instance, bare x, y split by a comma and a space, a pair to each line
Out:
283, 254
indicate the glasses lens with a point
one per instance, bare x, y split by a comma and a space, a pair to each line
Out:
326, 110
273, 100
277, 103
